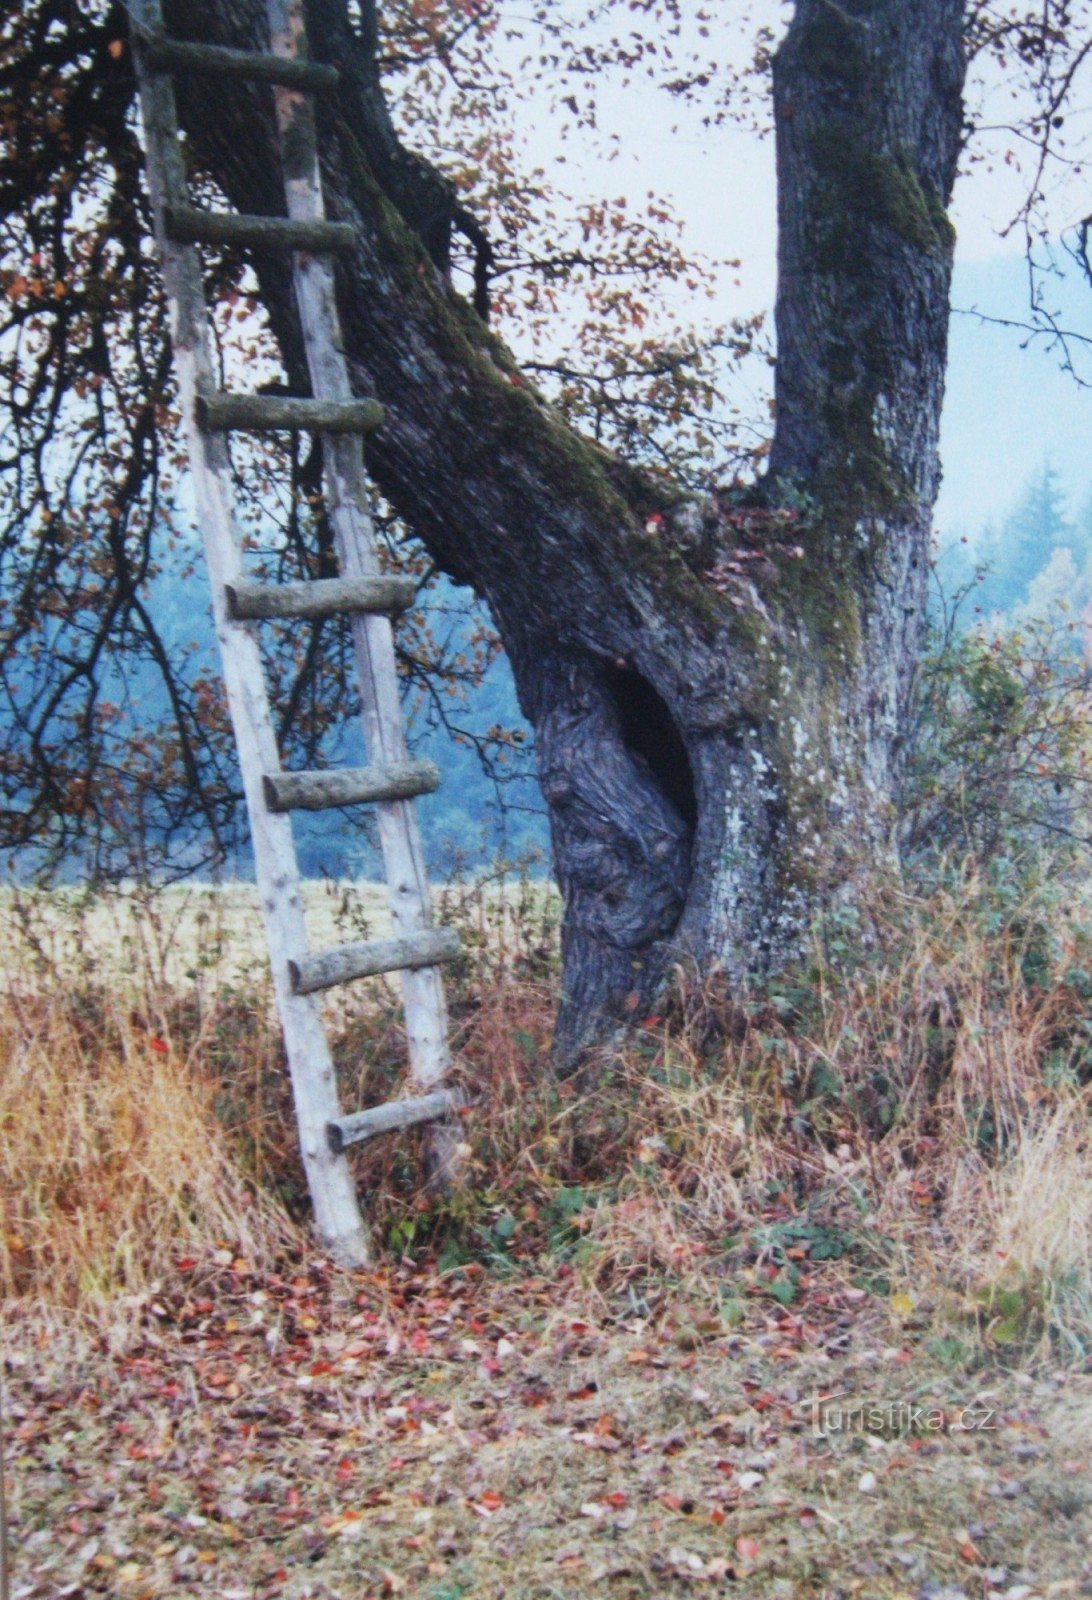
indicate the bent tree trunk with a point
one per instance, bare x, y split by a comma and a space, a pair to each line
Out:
718, 688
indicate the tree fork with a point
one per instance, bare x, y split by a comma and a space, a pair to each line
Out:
715, 765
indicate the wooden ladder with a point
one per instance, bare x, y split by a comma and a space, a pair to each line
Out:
366, 596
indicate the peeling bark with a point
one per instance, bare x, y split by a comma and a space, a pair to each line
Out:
718, 757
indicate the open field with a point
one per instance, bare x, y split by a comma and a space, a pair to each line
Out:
179, 932
594, 1372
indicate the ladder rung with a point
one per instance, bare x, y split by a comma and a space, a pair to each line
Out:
215, 61
223, 412
190, 225
318, 791
393, 1115
371, 957
324, 597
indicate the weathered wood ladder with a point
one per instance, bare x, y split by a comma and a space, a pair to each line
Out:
367, 597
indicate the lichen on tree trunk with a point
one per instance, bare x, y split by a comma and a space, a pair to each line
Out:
718, 742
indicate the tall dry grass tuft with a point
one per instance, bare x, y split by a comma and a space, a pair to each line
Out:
1026, 1256
112, 1159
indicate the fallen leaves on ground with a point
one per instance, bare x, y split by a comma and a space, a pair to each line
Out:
309, 1435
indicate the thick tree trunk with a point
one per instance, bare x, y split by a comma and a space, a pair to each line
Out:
718, 690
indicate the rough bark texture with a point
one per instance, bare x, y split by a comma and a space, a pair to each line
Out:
717, 756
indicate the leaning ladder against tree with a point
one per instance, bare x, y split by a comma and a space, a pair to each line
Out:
361, 592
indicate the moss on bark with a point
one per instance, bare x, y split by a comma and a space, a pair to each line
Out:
858, 187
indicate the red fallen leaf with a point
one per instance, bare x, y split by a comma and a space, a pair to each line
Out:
673, 1502
160, 1046
344, 1469
320, 1368
726, 1467
637, 1358
716, 1516
747, 1547
617, 1498
763, 1402
491, 1501
652, 1022
292, 1499
585, 1393
969, 1552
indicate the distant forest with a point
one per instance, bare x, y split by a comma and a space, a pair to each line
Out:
1036, 560
488, 809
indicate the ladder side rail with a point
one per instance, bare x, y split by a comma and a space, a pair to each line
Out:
351, 520
336, 1211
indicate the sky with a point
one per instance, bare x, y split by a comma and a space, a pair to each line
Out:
1008, 408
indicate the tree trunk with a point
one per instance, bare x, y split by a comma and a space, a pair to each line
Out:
719, 688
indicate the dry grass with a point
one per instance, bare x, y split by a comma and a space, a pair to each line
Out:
183, 935
1029, 1261
874, 1182
918, 1114
112, 1160
145, 1111
1042, 1197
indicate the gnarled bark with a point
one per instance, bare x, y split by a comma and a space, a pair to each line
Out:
718, 735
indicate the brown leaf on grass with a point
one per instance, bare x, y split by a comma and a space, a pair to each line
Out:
968, 1550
